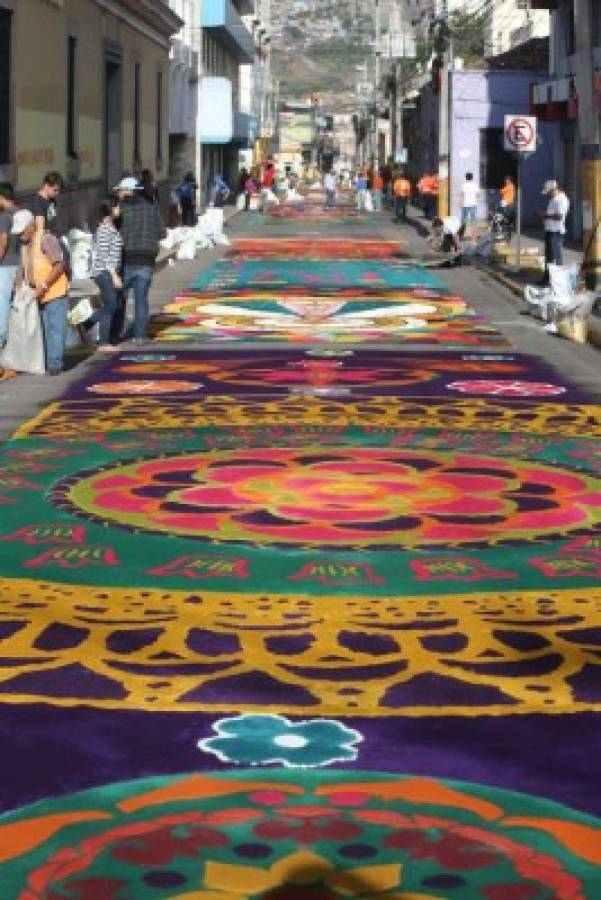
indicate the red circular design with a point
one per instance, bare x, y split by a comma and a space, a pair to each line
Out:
357, 496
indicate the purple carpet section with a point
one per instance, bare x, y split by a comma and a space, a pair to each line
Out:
51, 751
347, 375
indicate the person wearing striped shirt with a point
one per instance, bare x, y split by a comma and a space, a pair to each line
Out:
106, 272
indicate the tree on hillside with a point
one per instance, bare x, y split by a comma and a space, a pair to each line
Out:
469, 34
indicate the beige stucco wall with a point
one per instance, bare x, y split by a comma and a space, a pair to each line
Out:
40, 65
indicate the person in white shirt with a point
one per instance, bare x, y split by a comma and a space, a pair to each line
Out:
554, 219
329, 183
469, 200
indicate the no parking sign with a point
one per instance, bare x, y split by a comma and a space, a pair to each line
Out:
520, 134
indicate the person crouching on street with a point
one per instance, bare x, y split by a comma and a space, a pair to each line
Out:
446, 237
44, 270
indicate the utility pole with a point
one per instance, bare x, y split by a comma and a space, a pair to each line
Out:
378, 75
444, 48
394, 109
399, 83
590, 134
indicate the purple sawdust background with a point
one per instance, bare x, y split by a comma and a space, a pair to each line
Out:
50, 751
360, 374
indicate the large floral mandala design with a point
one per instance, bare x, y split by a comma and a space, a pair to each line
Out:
339, 498
310, 837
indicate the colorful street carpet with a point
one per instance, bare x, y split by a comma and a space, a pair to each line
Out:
311, 212
304, 625
289, 319
281, 274
345, 222
325, 372
317, 248
291, 836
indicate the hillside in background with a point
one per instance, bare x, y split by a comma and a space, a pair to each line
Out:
317, 46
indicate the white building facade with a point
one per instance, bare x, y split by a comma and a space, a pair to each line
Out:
185, 58
513, 22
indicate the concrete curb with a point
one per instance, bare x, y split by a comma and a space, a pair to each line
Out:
512, 286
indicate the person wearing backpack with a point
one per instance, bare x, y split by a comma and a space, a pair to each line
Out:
186, 194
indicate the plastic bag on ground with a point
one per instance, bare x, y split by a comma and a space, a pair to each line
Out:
214, 219
537, 300
187, 248
24, 351
81, 312
577, 304
563, 279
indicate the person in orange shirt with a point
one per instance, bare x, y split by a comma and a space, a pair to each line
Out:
429, 191
507, 194
377, 188
402, 193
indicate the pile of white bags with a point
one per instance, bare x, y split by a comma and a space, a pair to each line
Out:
546, 301
207, 232
562, 305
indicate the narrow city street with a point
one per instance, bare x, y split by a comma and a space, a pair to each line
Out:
301, 599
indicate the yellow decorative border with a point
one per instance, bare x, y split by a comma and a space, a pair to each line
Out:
71, 418
477, 627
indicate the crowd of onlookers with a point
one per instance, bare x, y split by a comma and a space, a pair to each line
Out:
34, 263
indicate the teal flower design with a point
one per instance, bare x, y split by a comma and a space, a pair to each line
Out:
261, 740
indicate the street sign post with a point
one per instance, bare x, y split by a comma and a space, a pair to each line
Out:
520, 138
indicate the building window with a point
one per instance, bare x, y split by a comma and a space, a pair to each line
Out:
137, 84
495, 161
71, 96
159, 147
5, 99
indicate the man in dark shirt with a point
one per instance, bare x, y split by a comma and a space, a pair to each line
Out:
10, 256
141, 230
43, 205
